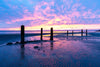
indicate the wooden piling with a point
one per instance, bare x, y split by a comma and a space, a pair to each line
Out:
86, 32
51, 34
81, 32
67, 32
22, 34
41, 33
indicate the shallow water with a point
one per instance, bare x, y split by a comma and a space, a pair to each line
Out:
71, 51
13, 36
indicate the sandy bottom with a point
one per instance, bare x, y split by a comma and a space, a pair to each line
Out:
64, 51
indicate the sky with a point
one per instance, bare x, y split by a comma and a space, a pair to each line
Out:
59, 14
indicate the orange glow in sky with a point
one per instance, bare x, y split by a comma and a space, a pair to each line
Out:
58, 27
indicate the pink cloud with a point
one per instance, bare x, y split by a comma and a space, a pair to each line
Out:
41, 14
8, 22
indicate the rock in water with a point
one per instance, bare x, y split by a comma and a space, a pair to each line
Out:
9, 43
36, 47
17, 42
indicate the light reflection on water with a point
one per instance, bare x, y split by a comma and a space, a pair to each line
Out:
62, 52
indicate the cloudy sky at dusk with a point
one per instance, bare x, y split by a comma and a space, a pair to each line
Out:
60, 14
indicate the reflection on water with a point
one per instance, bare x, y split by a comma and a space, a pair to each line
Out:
22, 51
67, 52
51, 45
64, 51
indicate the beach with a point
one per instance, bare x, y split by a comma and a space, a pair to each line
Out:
63, 51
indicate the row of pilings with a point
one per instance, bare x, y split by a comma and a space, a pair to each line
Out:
82, 32
41, 35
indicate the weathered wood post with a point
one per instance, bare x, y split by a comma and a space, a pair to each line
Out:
72, 32
67, 32
81, 32
51, 35
22, 34
86, 32
41, 33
